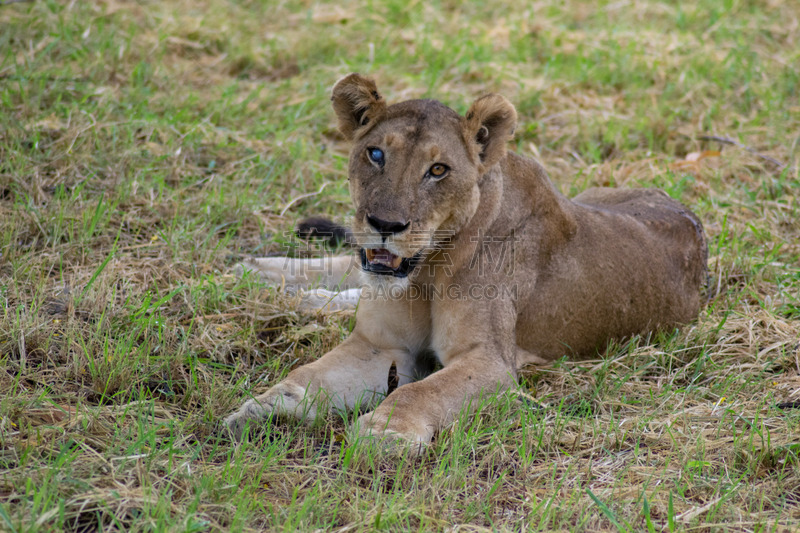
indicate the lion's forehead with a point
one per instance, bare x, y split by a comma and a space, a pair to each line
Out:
426, 146
417, 119
427, 140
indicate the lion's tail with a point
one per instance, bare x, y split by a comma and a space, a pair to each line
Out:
332, 233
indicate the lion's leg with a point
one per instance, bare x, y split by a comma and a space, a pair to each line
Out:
326, 284
414, 413
338, 272
475, 343
357, 372
329, 301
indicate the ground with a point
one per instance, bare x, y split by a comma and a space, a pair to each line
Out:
146, 147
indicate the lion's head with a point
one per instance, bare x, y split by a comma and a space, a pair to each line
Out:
415, 170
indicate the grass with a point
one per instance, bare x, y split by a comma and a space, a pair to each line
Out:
146, 147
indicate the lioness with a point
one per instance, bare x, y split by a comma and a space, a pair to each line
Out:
469, 252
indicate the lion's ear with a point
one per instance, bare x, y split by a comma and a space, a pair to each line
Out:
356, 102
490, 122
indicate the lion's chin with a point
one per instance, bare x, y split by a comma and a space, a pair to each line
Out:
377, 286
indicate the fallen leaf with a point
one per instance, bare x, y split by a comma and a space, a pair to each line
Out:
693, 160
697, 156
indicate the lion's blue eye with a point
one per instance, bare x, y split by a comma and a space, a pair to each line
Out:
375, 155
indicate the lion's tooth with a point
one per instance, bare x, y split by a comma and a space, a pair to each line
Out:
396, 261
370, 254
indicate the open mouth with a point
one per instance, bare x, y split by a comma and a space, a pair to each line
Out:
382, 261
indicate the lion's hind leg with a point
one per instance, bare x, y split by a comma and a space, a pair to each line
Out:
326, 301
339, 272
328, 283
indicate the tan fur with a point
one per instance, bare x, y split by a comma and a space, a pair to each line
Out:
576, 273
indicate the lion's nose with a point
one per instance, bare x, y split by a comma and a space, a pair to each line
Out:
386, 228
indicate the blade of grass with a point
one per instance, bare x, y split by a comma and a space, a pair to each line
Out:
607, 512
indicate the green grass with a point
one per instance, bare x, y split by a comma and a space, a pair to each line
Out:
145, 148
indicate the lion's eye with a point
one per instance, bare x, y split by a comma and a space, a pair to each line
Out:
375, 155
438, 170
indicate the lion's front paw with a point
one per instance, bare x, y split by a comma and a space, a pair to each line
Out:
396, 433
236, 422
282, 399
